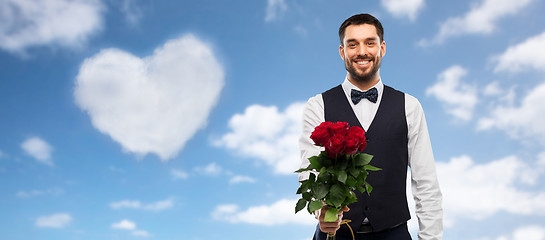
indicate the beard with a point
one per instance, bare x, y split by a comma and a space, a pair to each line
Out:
363, 77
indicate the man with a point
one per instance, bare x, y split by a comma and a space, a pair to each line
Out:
397, 137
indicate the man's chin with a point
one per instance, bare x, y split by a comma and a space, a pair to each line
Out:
363, 78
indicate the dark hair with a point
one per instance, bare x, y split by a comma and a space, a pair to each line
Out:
361, 19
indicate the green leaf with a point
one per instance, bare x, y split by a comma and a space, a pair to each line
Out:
315, 162
315, 205
352, 198
362, 159
305, 186
323, 169
300, 190
337, 194
354, 172
343, 163
331, 215
368, 187
341, 176
371, 168
350, 181
324, 176
300, 205
362, 177
360, 188
307, 196
326, 161
320, 190
312, 178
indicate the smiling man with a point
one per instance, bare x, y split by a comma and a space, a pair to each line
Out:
397, 136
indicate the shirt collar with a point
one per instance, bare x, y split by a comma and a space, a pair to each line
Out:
348, 86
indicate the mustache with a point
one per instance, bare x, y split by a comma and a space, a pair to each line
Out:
364, 57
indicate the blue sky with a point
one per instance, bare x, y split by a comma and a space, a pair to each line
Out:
140, 119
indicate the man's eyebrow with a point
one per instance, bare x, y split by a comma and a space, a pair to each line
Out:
367, 39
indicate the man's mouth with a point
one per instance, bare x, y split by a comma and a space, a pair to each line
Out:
362, 62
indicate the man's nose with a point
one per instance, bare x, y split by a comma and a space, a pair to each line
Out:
362, 51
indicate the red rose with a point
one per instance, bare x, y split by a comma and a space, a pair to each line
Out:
358, 133
351, 144
321, 134
339, 128
335, 145
362, 145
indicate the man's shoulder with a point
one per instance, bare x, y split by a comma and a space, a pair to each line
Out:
411, 102
315, 100
333, 90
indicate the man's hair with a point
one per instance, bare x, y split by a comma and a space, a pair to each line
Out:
361, 19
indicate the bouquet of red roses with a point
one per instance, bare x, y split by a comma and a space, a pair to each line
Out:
337, 171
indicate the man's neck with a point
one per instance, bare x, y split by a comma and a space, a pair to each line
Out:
364, 86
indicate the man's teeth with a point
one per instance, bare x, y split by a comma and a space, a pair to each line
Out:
362, 62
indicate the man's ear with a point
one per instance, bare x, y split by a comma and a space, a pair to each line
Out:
341, 51
383, 48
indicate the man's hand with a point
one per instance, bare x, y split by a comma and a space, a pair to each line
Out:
328, 227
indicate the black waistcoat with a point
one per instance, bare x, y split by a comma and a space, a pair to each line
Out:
386, 206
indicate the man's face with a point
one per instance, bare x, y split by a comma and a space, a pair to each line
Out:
362, 52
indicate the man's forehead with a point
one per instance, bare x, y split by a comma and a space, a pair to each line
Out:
362, 31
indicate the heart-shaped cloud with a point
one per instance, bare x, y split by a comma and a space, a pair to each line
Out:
152, 104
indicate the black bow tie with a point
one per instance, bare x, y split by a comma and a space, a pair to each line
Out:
371, 95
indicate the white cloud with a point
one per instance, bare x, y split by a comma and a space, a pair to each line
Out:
477, 191
279, 213
179, 174
241, 179
131, 226
34, 193
529, 54
160, 205
66, 23
523, 122
126, 204
492, 89
529, 233
275, 9
124, 224
403, 8
266, 134
212, 169
153, 104
59, 220
481, 19
458, 98
135, 204
38, 149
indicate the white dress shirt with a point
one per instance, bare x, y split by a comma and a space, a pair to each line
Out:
425, 187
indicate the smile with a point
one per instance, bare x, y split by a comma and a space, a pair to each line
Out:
362, 62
